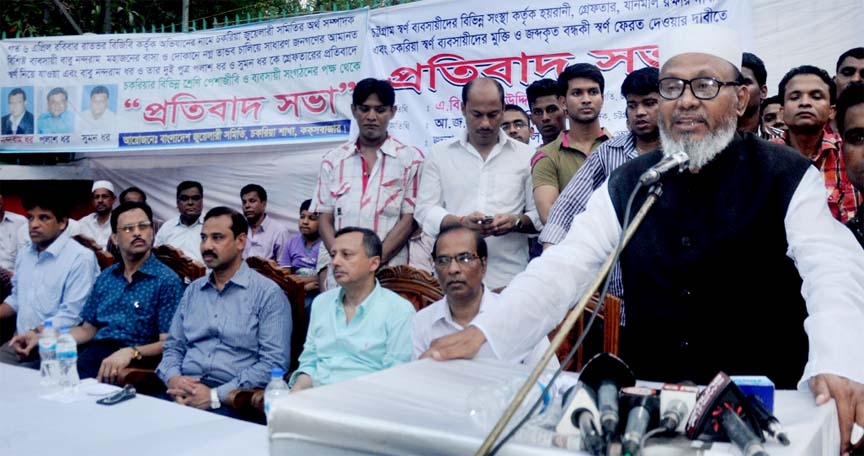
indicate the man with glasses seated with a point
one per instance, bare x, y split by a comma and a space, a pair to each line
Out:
460, 259
698, 298
184, 231
128, 314
515, 123
357, 328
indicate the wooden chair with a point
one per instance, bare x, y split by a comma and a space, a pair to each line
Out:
7, 325
250, 401
185, 267
296, 293
609, 317
415, 285
144, 379
103, 257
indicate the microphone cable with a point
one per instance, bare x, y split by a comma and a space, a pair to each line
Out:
597, 310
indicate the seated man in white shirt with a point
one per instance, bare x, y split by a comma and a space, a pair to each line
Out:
97, 225
184, 231
460, 258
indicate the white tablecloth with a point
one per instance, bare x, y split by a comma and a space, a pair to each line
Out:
421, 408
31, 425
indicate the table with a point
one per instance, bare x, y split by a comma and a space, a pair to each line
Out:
420, 408
30, 425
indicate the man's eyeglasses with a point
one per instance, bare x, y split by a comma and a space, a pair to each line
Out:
142, 226
463, 258
185, 198
702, 88
516, 124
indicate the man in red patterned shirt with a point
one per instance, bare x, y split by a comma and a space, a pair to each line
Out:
808, 95
370, 181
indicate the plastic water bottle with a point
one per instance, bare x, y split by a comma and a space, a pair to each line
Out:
276, 388
67, 354
487, 402
48, 366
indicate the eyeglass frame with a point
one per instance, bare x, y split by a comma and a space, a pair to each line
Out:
131, 227
689, 82
462, 259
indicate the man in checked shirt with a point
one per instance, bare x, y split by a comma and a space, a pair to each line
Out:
370, 181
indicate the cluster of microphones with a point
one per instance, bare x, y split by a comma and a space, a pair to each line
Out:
606, 408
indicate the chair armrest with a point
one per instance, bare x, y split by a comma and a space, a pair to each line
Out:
240, 398
144, 380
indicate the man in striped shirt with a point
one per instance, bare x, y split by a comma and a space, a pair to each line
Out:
640, 90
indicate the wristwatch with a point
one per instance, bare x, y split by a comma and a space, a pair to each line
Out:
518, 225
136, 354
214, 399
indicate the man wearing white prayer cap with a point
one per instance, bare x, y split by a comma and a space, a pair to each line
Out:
97, 226
738, 267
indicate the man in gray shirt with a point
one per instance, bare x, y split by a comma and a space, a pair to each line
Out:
231, 327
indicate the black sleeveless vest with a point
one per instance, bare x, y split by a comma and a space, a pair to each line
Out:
707, 281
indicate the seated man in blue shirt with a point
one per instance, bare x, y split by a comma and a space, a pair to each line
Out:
130, 308
231, 327
357, 328
53, 277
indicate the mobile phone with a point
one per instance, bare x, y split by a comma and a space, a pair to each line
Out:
128, 392
486, 220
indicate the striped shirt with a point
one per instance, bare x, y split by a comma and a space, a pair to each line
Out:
596, 169
572, 201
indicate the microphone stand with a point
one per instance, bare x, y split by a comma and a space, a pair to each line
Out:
567, 325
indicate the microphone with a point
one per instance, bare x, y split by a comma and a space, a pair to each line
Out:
722, 411
580, 418
643, 403
676, 402
769, 422
606, 374
676, 162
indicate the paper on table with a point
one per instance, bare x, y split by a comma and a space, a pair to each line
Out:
85, 391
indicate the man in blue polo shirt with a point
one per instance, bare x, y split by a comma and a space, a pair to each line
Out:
129, 311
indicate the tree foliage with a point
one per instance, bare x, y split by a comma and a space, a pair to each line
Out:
46, 17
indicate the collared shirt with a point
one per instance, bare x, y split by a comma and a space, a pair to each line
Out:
91, 228
107, 122
555, 163
843, 199
296, 255
52, 284
378, 337
185, 238
10, 224
267, 241
456, 180
825, 253
48, 124
134, 313
596, 169
391, 189
436, 321
233, 337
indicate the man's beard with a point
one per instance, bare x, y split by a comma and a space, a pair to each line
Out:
700, 151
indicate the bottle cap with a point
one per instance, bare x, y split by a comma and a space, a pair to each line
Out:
276, 372
48, 324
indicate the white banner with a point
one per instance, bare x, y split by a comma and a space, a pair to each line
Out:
429, 50
290, 81
287, 81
